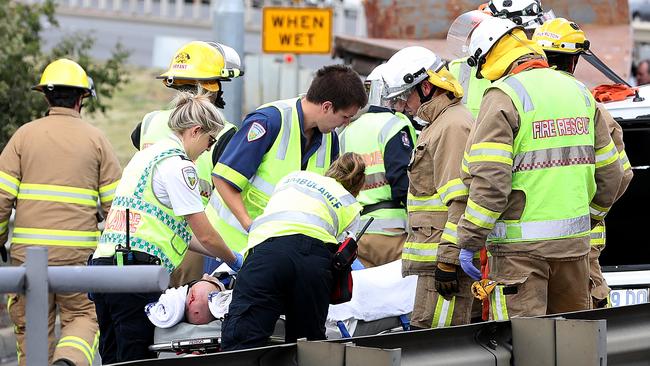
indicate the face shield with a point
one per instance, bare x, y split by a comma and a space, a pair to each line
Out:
233, 67
460, 31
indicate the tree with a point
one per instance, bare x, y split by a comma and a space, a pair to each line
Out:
22, 62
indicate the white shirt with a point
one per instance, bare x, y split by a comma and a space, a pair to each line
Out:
176, 185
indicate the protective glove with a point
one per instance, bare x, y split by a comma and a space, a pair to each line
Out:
466, 258
446, 279
3, 253
239, 261
357, 265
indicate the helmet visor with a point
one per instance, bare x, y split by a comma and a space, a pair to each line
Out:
460, 31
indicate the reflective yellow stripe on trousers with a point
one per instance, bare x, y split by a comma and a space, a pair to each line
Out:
443, 313
55, 193
80, 344
598, 235
70, 238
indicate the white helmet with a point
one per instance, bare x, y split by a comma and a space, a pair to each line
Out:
527, 13
407, 68
485, 36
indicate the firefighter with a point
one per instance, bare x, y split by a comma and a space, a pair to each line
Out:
206, 65
436, 196
279, 138
384, 138
54, 170
160, 195
288, 265
541, 169
563, 42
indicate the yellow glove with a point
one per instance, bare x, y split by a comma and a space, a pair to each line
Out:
482, 289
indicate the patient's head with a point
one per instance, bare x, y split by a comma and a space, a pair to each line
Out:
197, 310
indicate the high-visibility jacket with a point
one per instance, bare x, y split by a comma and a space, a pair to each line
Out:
155, 128
154, 228
553, 160
283, 157
310, 204
473, 87
368, 136
55, 171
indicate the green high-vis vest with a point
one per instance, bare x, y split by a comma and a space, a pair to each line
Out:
473, 88
553, 157
368, 136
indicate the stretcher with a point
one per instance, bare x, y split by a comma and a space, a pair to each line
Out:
381, 303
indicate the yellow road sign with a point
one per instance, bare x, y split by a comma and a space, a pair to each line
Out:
297, 30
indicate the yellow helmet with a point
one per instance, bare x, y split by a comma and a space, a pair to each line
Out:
64, 72
562, 36
205, 63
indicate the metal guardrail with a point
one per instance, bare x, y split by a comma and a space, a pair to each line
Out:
489, 343
36, 279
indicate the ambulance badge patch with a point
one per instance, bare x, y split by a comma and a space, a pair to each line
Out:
255, 132
190, 177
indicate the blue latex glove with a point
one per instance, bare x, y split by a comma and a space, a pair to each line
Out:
466, 257
239, 261
357, 265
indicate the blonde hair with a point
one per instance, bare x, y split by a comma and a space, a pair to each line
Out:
349, 170
195, 109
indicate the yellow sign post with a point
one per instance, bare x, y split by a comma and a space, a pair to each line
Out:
297, 30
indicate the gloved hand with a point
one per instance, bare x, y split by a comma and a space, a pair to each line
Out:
466, 258
446, 279
239, 261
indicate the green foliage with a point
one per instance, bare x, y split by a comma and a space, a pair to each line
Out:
22, 61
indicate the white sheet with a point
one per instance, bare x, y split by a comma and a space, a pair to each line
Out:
378, 292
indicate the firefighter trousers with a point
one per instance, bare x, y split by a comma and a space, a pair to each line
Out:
79, 330
431, 310
532, 287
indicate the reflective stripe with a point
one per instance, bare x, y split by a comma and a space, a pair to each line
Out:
450, 233
225, 214
286, 111
443, 313
375, 180
179, 227
230, 174
598, 235
535, 230
498, 304
522, 94
606, 155
3, 226
464, 75
107, 192
597, 212
558, 156
321, 153
383, 224
384, 134
9, 183
264, 186
583, 89
420, 252
56, 193
490, 152
452, 189
480, 216
109, 239
315, 195
624, 160
295, 217
80, 344
424, 203
72, 238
